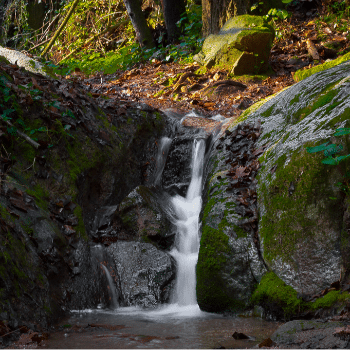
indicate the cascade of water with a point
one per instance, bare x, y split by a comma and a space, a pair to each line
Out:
187, 210
163, 150
113, 294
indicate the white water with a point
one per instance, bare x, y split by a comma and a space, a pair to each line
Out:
113, 294
187, 211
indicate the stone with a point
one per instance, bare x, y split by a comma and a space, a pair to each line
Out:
300, 231
241, 47
138, 216
300, 225
22, 60
146, 274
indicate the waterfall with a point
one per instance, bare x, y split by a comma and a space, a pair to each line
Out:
165, 143
113, 294
187, 210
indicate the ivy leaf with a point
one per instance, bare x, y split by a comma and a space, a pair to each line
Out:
317, 148
6, 112
12, 130
340, 158
342, 131
330, 161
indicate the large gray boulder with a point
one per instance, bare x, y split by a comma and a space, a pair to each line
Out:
145, 274
303, 215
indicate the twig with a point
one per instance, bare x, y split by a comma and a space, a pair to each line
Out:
24, 136
13, 331
37, 45
31, 165
89, 41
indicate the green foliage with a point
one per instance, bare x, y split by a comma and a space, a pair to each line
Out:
130, 52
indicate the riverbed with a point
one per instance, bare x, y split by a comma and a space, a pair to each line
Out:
170, 327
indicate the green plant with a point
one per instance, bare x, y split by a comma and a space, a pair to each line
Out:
330, 152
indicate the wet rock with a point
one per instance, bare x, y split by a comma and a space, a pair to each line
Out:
237, 335
137, 216
177, 167
303, 334
146, 274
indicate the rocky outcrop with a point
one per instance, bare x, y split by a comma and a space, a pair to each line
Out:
242, 46
302, 232
146, 274
93, 153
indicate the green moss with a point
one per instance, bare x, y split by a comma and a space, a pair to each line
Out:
345, 116
41, 195
303, 74
80, 228
4, 60
329, 300
272, 289
321, 100
290, 218
240, 232
83, 155
296, 99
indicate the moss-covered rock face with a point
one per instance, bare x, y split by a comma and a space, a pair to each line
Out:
89, 157
228, 265
242, 46
301, 226
303, 215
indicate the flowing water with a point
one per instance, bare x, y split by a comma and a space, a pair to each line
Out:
187, 210
180, 324
111, 289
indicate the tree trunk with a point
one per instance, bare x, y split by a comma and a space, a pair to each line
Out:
172, 10
215, 13
143, 33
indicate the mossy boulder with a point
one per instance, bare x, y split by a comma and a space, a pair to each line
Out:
241, 47
303, 214
301, 227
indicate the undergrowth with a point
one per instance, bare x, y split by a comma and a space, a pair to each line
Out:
130, 53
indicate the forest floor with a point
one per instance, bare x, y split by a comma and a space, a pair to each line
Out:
185, 88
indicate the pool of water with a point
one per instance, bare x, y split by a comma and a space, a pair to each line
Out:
171, 327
